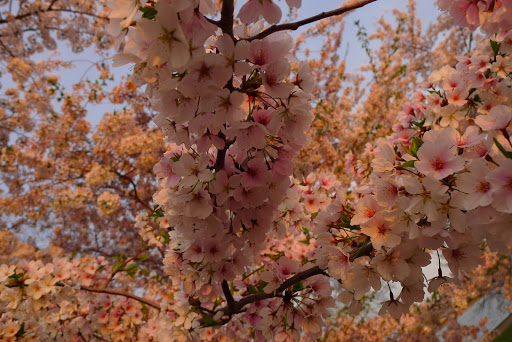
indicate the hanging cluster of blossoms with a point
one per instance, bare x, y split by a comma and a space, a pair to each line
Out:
235, 115
442, 181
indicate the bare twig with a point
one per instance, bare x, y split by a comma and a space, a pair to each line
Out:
121, 293
297, 24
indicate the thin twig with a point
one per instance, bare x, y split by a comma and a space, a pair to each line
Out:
297, 24
120, 293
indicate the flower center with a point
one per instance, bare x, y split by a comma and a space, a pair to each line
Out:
438, 164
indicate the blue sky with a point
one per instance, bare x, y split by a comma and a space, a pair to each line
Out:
355, 55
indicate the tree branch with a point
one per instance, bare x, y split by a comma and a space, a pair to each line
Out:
297, 24
226, 17
135, 192
28, 14
109, 291
233, 307
221, 154
120, 293
287, 283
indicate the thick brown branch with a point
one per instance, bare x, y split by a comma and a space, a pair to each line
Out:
297, 24
235, 307
120, 293
226, 17
221, 154
287, 283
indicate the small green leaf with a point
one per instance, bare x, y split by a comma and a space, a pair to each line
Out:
506, 153
148, 12
252, 289
144, 310
406, 149
166, 237
131, 269
21, 332
415, 146
495, 47
262, 285
117, 266
209, 322
409, 163
143, 257
16, 276
298, 286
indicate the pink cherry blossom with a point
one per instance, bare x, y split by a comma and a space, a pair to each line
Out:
438, 159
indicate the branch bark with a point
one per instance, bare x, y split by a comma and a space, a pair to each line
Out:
121, 293
297, 24
233, 307
226, 17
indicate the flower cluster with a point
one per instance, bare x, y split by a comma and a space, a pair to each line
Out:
236, 116
63, 299
234, 106
440, 182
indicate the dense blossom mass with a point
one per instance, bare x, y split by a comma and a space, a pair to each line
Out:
252, 249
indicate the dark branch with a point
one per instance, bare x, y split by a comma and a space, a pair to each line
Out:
221, 154
233, 307
120, 293
226, 17
135, 192
229, 296
297, 24
109, 291
28, 14
288, 283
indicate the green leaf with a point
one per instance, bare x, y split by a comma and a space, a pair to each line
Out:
144, 310
21, 332
117, 266
415, 145
209, 322
148, 12
16, 276
409, 163
262, 285
298, 286
131, 269
307, 240
495, 47
252, 289
418, 123
406, 149
143, 257
506, 153
166, 237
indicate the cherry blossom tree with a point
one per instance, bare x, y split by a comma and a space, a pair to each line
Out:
240, 240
